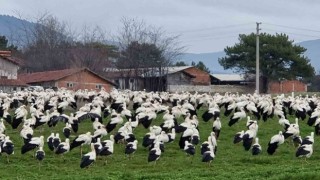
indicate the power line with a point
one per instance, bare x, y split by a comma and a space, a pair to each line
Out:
235, 33
212, 38
291, 27
205, 29
286, 32
221, 33
216, 35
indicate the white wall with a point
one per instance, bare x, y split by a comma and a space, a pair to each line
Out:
8, 69
189, 88
211, 88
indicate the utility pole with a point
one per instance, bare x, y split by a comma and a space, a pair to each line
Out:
257, 60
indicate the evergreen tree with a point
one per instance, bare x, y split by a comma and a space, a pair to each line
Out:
279, 58
4, 45
180, 63
200, 65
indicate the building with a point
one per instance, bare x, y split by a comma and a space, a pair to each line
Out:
72, 79
187, 78
159, 79
234, 83
189, 75
229, 79
287, 86
125, 78
240, 83
9, 67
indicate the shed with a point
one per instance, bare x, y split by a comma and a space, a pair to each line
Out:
125, 78
72, 79
228, 79
158, 78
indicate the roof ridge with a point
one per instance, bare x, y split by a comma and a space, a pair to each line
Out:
45, 76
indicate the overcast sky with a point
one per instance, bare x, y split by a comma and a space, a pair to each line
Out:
204, 25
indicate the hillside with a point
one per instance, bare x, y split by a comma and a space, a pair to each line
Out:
13, 28
313, 53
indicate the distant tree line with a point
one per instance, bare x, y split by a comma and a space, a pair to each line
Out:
52, 45
200, 65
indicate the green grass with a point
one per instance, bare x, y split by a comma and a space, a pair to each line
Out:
231, 161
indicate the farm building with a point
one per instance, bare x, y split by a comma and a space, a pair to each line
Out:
229, 79
234, 83
287, 86
9, 67
238, 83
152, 79
72, 79
199, 77
125, 78
187, 78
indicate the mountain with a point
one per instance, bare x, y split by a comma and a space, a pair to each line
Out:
13, 28
313, 52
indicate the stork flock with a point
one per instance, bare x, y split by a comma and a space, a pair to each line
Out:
117, 115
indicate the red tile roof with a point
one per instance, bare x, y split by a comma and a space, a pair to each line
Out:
12, 82
7, 56
5, 53
200, 77
47, 76
13, 60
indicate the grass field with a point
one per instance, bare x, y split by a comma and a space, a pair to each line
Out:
231, 161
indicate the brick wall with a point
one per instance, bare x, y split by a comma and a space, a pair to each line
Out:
201, 77
287, 87
84, 80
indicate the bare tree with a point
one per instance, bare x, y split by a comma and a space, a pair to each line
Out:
92, 50
46, 44
134, 30
52, 45
147, 50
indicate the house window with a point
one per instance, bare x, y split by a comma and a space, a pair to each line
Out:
98, 86
131, 80
69, 85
